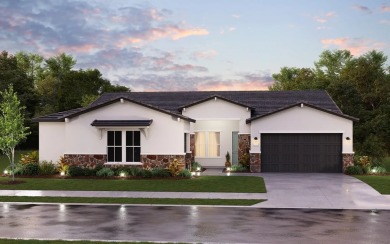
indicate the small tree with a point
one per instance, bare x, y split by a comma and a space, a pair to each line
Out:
12, 129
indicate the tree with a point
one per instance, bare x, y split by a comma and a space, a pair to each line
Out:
12, 129
31, 64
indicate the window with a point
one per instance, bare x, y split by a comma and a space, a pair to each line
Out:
114, 146
131, 150
133, 146
207, 144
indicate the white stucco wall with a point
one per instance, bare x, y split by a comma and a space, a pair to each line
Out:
219, 110
51, 140
165, 134
303, 120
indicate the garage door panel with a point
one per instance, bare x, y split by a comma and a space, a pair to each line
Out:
301, 152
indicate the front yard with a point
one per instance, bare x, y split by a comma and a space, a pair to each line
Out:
242, 184
379, 183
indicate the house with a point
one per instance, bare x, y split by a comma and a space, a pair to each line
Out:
274, 131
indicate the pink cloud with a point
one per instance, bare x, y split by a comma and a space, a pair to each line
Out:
385, 8
355, 46
172, 32
84, 48
233, 85
324, 18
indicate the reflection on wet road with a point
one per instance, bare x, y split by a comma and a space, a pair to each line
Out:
192, 224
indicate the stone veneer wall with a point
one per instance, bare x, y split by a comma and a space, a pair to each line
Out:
347, 160
85, 160
255, 162
154, 161
244, 145
192, 146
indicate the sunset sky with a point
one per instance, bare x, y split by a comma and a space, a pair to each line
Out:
193, 45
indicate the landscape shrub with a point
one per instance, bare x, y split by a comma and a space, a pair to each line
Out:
74, 170
160, 172
145, 173
30, 169
134, 171
18, 169
244, 160
47, 168
354, 170
239, 168
185, 173
105, 172
174, 167
195, 165
30, 158
62, 166
378, 169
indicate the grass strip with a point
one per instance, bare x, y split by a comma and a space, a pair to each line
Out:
241, 184
168, 201
378, 182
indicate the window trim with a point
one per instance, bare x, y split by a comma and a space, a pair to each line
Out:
124, 147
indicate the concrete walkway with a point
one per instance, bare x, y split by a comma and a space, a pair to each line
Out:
284, 190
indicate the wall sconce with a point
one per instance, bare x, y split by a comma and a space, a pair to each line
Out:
255, 141
347, 138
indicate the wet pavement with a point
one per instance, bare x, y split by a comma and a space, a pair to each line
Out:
193, 224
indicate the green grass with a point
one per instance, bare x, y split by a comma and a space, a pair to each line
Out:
4, 161
167, 201
379, 183
245, 184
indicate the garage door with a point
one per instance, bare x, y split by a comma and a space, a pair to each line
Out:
315, 153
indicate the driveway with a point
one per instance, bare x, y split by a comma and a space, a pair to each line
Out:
325, 191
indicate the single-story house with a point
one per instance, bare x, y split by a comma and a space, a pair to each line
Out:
273, 131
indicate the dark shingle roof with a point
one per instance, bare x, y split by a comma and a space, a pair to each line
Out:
114, 123
260, 102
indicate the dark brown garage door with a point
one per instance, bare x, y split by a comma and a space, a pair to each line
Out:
315, 153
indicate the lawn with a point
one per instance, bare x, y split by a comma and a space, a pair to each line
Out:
4, 161
245, 184
379, 183
164, 201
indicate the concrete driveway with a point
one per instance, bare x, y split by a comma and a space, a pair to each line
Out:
325, 191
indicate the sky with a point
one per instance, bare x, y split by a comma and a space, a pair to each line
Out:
168, 45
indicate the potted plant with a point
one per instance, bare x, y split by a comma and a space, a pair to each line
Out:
228, 164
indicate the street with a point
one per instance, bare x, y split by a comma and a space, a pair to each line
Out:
192, 224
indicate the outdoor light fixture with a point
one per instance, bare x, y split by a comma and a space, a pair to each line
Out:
122, 174
198, 168
198, 173
62, 173
255, 141
228, 169
228, 173
6, 172
347, 138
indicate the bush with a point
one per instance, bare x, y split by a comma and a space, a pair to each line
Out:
174, 167
239, 168
75, 171
47, 168
31, 169
244, 160
63, 166
160, 172
105, 172
18, 169
378, 170
30, 158
145, 173
185, 173
354, 170
195, 165
134, 171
